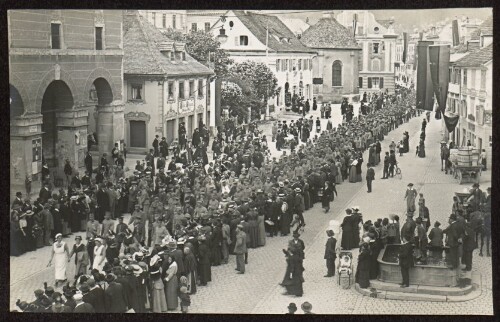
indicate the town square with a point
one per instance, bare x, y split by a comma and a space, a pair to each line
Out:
251, 161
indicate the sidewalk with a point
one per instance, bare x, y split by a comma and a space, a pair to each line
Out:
328, 297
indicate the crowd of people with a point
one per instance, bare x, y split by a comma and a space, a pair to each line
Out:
192, 213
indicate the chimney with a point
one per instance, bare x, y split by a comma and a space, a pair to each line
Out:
472, 45
455, 34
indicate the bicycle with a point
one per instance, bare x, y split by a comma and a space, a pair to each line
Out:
398, 172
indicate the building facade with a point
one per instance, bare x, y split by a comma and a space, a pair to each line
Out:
378, 42
167, 19
164, 86
65, 75
335, 68
472, 78
203, 19
266, 39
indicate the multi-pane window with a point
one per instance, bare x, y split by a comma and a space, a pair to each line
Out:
200, 87
98, 38
375, 47
173, 22
207, 26
337, 73
300, 64
55, 33
172, 56
483, 79
191, 88
136, 92
243, 40
194, 26
170, 90
164, 21
181, 90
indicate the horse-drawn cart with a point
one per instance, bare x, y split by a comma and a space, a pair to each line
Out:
465, 164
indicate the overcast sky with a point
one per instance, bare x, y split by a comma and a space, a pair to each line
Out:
407, 19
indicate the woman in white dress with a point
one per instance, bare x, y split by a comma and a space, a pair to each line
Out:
99, 255
60, 253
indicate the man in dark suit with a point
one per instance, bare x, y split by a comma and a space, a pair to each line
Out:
93, 295
298, 242
406, 259
156, 144
88, 163
81, 306
370, 176
18, 202
44, 193
127, 288
240, 248
454, 233
102, 203
330, 254
116, 301
386, 166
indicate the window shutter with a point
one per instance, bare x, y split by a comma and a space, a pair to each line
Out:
236, 41
369, 82
381, 82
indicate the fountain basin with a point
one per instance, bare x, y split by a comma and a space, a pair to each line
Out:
428, 274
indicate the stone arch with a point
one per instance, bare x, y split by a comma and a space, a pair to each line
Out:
49, 77
16, 83
97, 73
16, 102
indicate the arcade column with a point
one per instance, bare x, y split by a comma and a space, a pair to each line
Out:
25, 153
110, 127
71, 139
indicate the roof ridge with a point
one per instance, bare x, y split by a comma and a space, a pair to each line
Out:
148, 41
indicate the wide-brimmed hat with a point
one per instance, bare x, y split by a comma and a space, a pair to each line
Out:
110, 277
306, 306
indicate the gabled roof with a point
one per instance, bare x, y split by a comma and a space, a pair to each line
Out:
257, 23
328, 33
486, 28
385, 23
476, 58
297, 26
144, 47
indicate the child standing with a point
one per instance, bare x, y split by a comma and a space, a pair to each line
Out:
185, 299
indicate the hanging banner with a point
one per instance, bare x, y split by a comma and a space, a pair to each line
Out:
451, 122
439, 61
405, 46
425, 99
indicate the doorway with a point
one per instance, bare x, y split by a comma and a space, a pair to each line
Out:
138, 134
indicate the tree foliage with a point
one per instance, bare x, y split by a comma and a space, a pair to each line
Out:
262, 78
202, 47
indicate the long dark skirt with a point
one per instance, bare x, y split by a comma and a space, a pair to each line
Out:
294, 285
205, 273
253, 231
285, 224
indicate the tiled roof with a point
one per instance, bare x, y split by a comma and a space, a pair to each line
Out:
142, 51
476, 58
460, 49
257, 23
486, 28
328, 33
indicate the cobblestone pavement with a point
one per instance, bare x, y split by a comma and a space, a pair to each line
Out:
257, 291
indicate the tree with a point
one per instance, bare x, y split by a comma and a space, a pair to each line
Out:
204, 48
264, 82
239, 96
